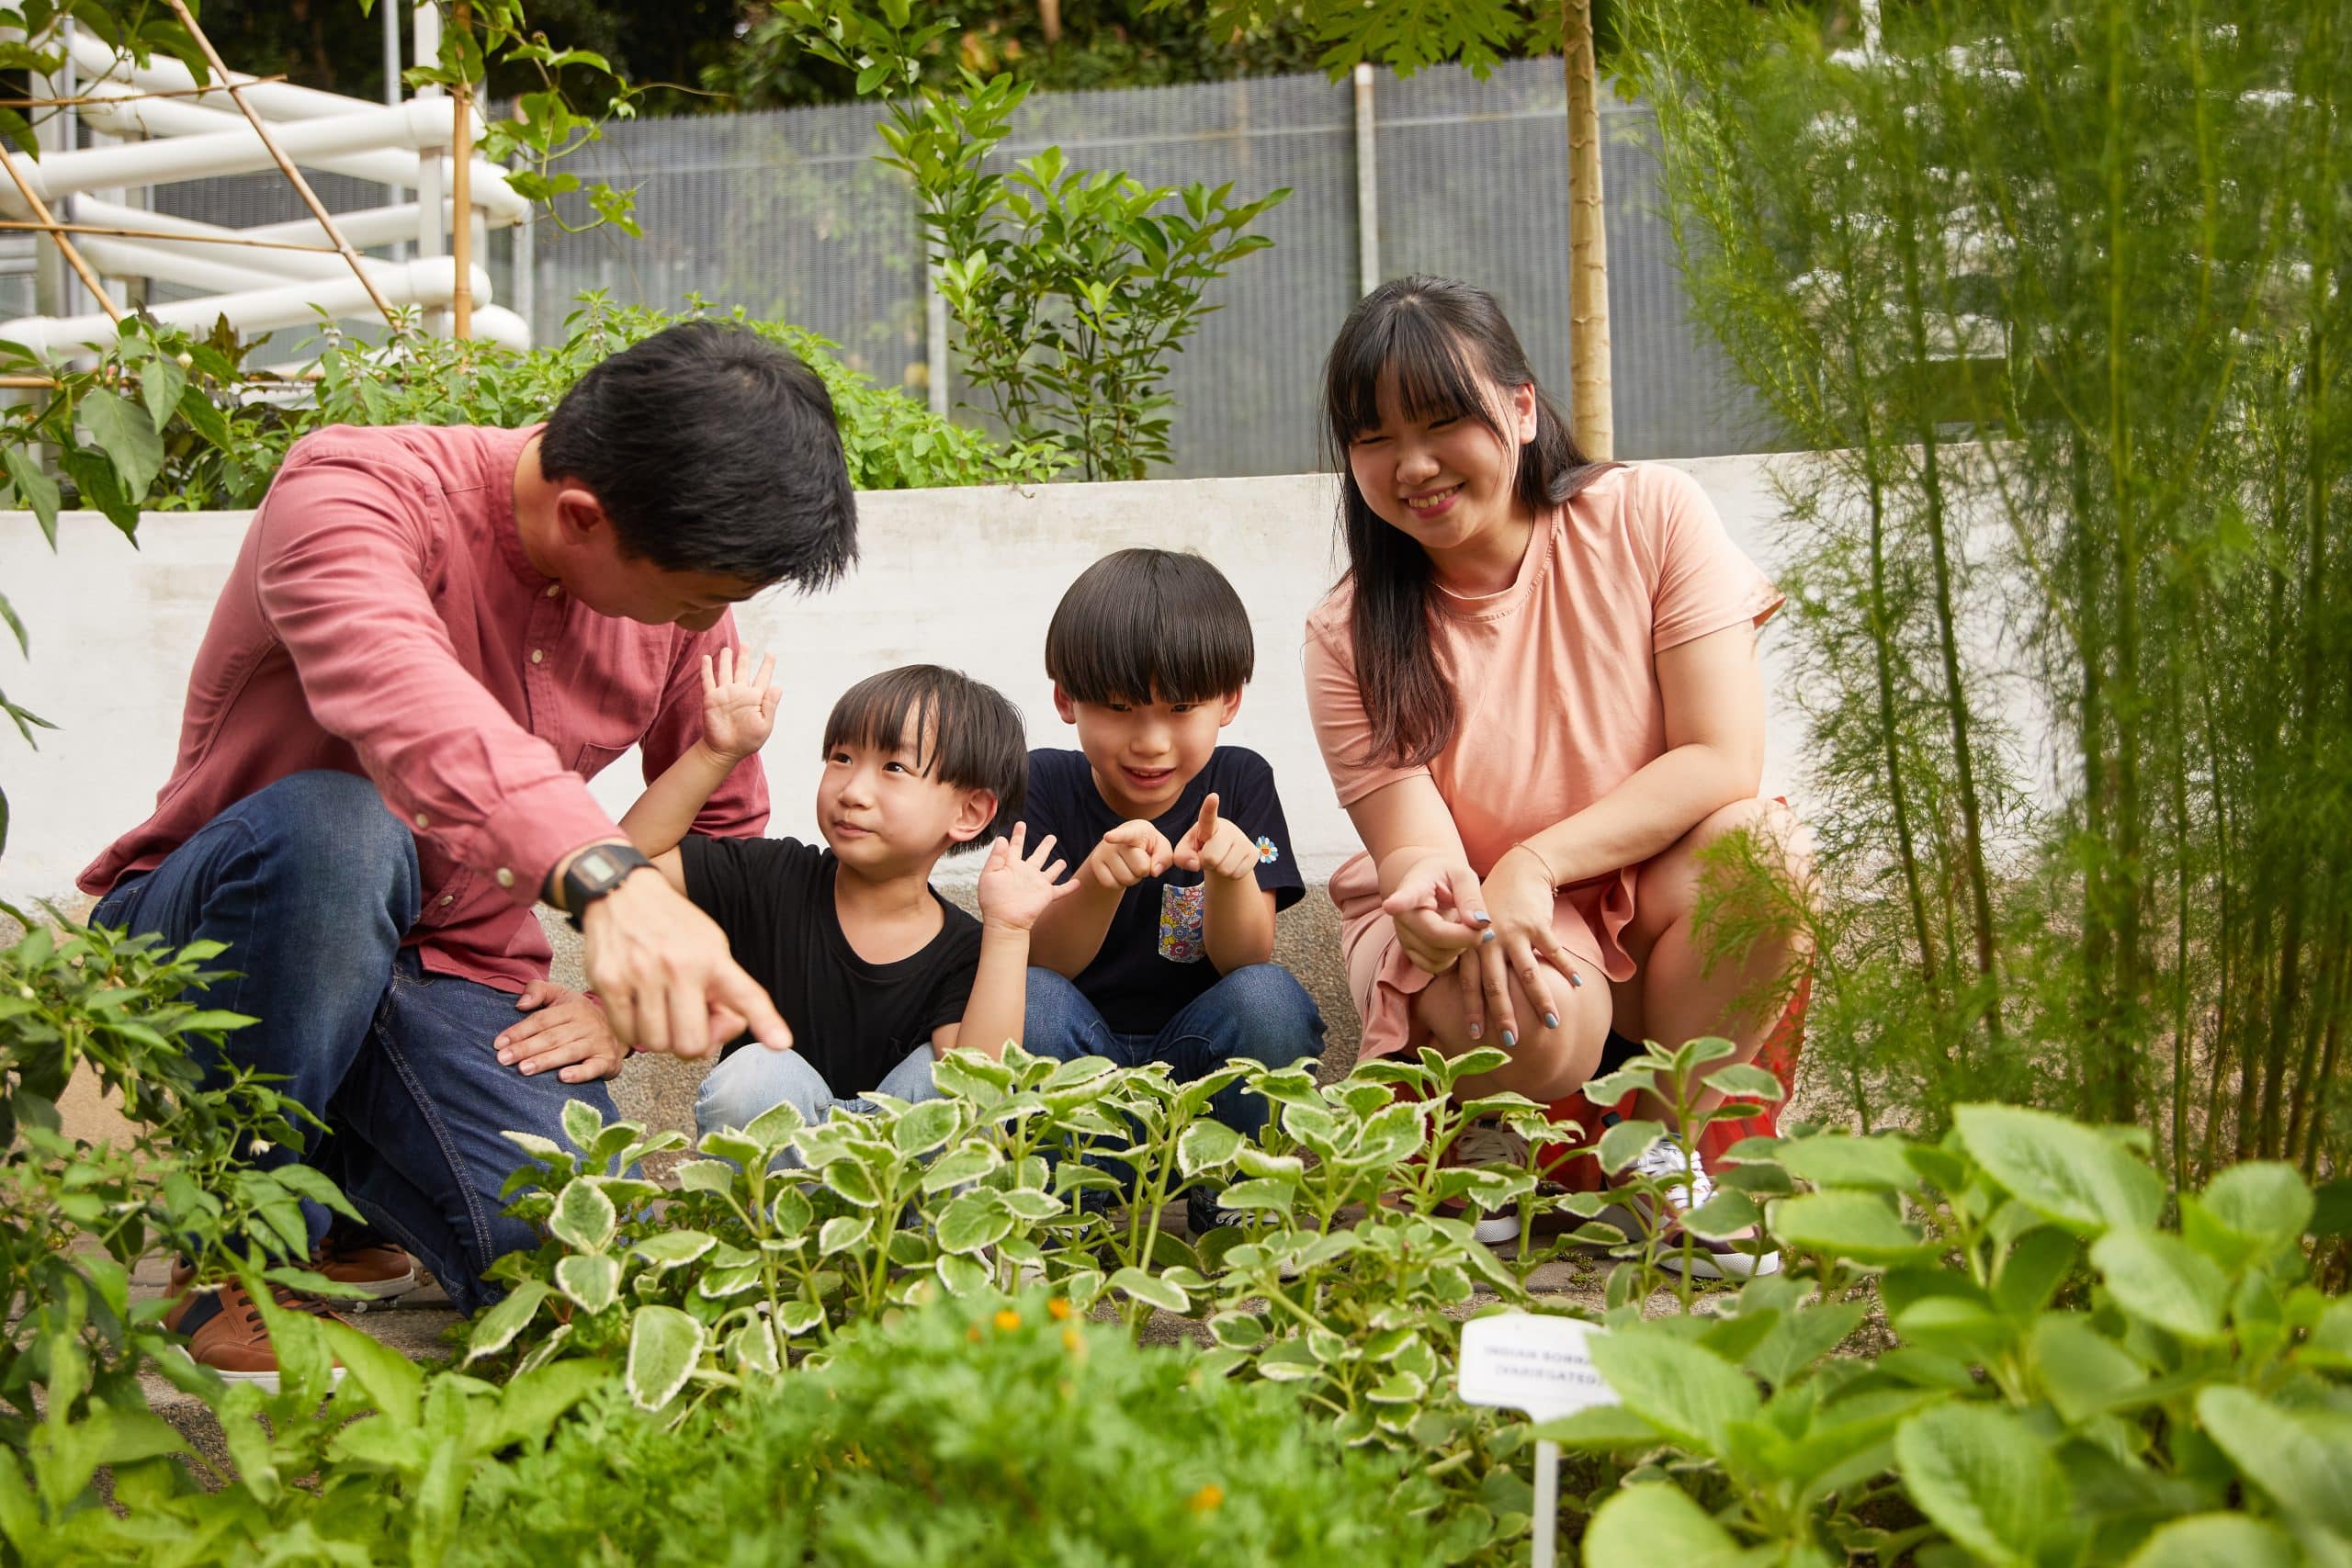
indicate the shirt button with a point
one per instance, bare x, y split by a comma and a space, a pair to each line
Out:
448, 899
503, 878
538, 655
554, 588
422, 820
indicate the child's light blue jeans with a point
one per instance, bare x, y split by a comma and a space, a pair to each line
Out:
755, 1078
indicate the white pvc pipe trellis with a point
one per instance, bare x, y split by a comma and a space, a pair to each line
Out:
275, 276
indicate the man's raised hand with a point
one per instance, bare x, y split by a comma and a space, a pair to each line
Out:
667, 981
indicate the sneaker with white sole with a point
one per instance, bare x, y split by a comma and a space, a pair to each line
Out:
1681, 1185
1491, 1143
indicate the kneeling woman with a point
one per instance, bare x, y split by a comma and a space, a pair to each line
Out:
1537, 692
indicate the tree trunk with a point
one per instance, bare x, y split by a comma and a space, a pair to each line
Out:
1589, 392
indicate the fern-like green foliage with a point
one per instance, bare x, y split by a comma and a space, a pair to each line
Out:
2056, 292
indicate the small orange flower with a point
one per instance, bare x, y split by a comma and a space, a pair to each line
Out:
1059, 1307
1007, 1320
1207, 1498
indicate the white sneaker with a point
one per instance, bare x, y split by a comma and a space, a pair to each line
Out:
1491, 1143
1683, 1185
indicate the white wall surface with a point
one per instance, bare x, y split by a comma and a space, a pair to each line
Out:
967, 578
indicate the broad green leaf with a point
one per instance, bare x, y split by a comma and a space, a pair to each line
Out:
961, 1276
1266, 1193
844, 1232
2265, 1199
1985, 1478
1626, 1142
924, 1126
2298, 1458
2033, 1268
665, 1345
593, 1280
1841, 1159
976, 1220
35, 489
959, 1166
2162, 1279
496, 1328
799, 1316
1205, 1144
1645, 1525
2330, 1345
161, 382
2212, 1541
582, 1124
532, 1404
1856, 1226
583, 1217
2082, 1372
752, 1347
2069, 1173
670, 1248
391, 1381
773, 1128
1683, 1390
1151, 1289
127, 437
1744, 1081
706, 1176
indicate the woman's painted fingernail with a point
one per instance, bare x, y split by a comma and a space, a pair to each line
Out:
1486, 936
1479, 916
1477, 1032
1509, 1040
1574, 978
1551, 1020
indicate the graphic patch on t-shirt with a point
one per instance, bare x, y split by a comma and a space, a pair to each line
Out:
1179, 923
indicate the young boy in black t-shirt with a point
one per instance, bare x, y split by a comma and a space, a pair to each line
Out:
1166, 954
875, 973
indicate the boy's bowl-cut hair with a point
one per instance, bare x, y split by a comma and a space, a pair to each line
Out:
1144, 626
968, 734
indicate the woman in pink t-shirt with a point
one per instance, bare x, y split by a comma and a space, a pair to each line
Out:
1538, 695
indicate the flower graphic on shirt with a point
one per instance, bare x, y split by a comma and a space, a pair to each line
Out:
1267, 851
1182, 939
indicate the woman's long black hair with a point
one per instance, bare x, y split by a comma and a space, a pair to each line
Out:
1446, 343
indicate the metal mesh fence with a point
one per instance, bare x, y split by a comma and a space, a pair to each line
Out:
789, 214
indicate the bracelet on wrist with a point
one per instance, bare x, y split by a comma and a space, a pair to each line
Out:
1530, 853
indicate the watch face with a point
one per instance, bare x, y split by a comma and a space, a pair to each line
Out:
595, 865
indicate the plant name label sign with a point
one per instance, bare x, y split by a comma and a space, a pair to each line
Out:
1525, 1362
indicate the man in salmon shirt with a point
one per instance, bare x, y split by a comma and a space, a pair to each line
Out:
431, 640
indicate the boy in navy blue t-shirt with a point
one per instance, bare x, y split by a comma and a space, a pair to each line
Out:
1166, 953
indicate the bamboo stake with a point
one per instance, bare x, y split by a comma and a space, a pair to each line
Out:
461, 195
1591, 420
73, 256
294, 176
104, 233
122, 98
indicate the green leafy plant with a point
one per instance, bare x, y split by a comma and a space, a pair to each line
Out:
2071, 1381
1071, 289
77, 1216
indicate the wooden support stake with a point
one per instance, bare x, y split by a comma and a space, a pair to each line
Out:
286, 166
40, 211
461, 195
104, 233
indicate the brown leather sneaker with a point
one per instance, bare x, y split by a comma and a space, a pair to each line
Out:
233, 1341
379, 1269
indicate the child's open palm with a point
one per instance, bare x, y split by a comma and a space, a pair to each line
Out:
1016, 888
737, 708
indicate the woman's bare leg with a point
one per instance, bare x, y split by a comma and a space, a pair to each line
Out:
1675, 996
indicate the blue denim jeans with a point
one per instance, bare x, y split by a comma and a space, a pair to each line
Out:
313, 882
1259, 1013
756, 1079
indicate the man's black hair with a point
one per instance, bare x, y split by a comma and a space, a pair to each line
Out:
1145, 625
712, 451
965, 734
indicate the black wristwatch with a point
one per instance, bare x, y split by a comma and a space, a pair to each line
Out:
594, 872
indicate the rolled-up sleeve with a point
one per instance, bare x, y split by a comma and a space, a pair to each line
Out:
346, 551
